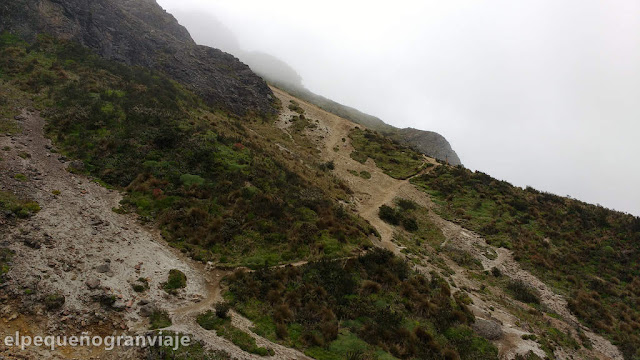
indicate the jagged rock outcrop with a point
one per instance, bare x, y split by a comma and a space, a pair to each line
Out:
140, 32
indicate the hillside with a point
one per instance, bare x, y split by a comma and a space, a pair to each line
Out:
427, 142
216, 193
141, 33
208, 30
130, 203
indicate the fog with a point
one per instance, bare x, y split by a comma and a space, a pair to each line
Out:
536, 92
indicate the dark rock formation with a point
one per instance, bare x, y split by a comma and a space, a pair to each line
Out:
428, 142
140, 32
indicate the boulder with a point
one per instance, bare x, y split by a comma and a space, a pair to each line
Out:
104, 268
93, 283
488, 329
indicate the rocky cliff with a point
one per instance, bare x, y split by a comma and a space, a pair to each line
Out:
141, 33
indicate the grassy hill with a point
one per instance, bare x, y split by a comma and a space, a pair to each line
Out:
222, 193
587, 252
216, 192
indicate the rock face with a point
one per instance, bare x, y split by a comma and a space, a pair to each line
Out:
140, 32
430, 143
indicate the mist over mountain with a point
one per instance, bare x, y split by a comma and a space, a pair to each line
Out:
206, 29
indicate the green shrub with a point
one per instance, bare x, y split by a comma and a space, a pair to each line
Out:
395, 160
496, 272
195, 351
141, 285
389, 215
222, 325
523, 292
159, 319
6, 256
19, 208
189, 180
463, 258
176, 280
406, 204
410, 224
294, 106
329, 165
222, 310
209, 320
375, 296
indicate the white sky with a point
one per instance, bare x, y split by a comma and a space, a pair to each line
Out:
536, 92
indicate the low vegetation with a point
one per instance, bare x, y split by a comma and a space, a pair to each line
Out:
141, 285
462, 258
159, 319
395, 160
585, 251
195, 351
398, 217
177, 280
294, 106
211, 320
217, 192
6, 257
523, 292
12, 206
374, 304
363, 174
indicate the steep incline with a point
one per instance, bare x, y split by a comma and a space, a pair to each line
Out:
380, 189
78, 247
140, 32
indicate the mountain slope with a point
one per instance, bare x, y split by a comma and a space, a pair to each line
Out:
141, 33
222, 190
547, 328
296, 191
427, 142
359, 246
207, 30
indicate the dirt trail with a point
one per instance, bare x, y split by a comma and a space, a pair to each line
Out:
78, 247
332, 133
